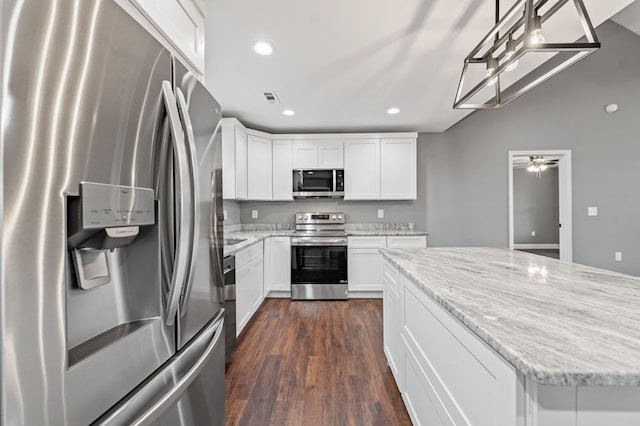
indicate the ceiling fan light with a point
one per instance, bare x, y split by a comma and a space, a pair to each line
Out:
542, 167
532, 168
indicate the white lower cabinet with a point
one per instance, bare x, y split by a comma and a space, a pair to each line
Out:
407, 241
392, 325
446, 374
249, 284
365, 260
277, 265
365, 263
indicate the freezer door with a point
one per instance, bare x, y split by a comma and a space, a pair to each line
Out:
187, 391
203, 290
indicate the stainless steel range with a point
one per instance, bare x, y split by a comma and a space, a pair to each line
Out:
319, 257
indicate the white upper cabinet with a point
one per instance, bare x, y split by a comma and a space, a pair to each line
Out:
398, 169
178, 24
234, 160
318, 154
330, 154
282, 170
259, 168
362, 169
305, 154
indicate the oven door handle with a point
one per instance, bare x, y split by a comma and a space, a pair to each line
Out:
325, 241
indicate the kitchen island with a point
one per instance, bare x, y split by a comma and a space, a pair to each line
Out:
500, 337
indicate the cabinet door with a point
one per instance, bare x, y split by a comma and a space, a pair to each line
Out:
259, 168
365, 270
268, 272
305, 154
228, 161
243, 297
241, 163
362, 169
330, 154
280, 263
393, 347
257, 284
398, 176
178, 24
282, 170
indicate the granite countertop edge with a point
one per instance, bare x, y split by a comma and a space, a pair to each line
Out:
537, 373
254, 237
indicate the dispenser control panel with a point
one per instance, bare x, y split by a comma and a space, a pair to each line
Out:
107, 206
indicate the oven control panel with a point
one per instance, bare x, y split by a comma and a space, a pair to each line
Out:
320, 218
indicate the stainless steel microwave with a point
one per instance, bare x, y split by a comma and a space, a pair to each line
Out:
311, 183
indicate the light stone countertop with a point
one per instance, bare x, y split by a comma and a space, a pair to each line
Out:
251, 237
558, 323
383, 233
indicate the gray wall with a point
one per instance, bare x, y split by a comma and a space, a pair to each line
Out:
233, 212
467, 165
535, 206
356, 211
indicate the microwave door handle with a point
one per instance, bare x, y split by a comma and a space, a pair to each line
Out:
334, 180
183, 203
190, 144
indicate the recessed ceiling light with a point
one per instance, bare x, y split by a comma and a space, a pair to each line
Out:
288, 112
263, 48
393, 111
611, 108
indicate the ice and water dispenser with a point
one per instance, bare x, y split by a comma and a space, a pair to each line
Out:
113, 270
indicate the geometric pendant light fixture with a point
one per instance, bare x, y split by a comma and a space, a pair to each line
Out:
521, 32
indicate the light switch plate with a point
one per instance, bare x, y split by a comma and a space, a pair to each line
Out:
592, 211
224, 214
533, 233
618, 256
254, 214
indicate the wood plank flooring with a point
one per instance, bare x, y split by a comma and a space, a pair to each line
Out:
313, 363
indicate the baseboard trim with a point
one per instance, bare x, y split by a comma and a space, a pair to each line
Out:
537, 246
365, 294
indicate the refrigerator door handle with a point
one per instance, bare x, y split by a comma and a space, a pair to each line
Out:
190, 144
166, 381
184, 225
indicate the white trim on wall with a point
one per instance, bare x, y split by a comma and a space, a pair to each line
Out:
564, 195
537, 246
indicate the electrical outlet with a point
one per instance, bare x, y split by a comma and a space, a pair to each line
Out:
224, 214
380, 213
533, 233
592, 211
618, 256
254, 214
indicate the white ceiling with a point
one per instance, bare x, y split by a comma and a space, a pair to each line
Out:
340, 64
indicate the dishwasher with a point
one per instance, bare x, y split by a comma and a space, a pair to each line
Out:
229, 269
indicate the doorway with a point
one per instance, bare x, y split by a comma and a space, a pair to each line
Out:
553, 163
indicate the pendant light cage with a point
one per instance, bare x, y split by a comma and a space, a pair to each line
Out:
517, 34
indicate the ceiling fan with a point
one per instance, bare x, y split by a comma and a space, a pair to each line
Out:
537, 164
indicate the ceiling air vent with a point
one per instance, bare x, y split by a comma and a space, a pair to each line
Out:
271, 97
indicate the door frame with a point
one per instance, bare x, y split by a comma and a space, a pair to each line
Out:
564, 198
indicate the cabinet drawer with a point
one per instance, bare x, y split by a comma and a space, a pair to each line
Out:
367, 242
407, 241
246, 255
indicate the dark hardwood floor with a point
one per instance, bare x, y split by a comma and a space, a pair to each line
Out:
313, 363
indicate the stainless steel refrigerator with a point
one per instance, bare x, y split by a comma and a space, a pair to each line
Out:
111, 307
